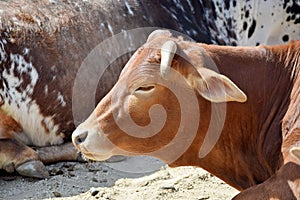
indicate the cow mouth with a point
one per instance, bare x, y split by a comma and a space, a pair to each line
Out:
87, 156
95, 156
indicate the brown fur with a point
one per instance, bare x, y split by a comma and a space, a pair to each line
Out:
8, 126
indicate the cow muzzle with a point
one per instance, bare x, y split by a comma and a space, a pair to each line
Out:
92, 144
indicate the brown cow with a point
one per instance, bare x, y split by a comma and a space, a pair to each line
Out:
247, 132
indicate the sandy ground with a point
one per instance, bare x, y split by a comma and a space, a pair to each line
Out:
133, 178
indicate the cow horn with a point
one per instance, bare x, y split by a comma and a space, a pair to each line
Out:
168, 50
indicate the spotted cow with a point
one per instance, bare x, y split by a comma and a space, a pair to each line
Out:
235, 22
44, 43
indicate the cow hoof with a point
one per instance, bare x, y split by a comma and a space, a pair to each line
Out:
34, 169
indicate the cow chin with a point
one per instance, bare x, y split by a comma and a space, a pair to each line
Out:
95, 156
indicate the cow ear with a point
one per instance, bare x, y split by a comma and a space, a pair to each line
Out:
216, 87
295, 152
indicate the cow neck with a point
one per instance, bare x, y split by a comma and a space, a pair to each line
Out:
251, 138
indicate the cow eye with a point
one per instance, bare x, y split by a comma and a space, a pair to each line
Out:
145, 88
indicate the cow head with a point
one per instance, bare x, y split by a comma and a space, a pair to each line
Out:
165, 79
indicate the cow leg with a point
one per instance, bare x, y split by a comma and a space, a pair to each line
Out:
285, 183
64, 152
282, 185
14, 155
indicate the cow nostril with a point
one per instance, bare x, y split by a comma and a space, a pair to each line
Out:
80, 138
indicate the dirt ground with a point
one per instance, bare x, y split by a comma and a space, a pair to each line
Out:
133, 178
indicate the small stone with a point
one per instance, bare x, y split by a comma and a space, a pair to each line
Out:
57, 194
189, 187
103, 181
93, 169
66, 165
203, 198
146, 184
55, 171
94, 191
59, 172
71, 168
72, 174
94, 179
168, 188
